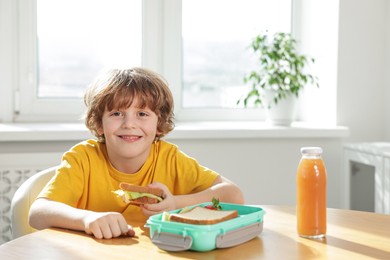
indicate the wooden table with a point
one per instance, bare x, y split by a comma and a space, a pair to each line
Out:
351, 235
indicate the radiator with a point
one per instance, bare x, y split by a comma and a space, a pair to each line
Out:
14, 170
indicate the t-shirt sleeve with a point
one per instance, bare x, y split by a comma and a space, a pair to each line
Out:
67, 184
192, 177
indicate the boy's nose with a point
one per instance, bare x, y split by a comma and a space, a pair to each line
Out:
129, 122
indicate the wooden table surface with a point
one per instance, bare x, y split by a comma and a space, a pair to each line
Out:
351, 235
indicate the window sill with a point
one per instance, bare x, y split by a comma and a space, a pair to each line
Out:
19, 132
253, 129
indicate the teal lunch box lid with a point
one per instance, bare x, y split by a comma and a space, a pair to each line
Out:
175, 236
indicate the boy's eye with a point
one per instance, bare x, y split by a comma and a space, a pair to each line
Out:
116, 113
142, 114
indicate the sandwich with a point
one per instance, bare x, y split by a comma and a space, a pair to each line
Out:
139, 195
203, 216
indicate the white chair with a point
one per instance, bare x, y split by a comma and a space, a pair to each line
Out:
23, 198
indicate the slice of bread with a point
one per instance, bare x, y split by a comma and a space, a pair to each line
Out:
131, 187
202, 216
143, 200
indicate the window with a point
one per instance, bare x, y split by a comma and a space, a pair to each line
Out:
198, 46
215, 47
64, 44
215, 56
71, 52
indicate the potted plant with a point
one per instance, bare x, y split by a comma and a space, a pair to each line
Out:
280, 77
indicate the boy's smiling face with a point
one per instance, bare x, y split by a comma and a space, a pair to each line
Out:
129, 134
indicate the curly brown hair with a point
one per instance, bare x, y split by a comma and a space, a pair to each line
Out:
118, 88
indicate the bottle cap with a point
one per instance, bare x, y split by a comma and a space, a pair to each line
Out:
311, 150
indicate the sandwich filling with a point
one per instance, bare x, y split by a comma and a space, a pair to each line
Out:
128, 196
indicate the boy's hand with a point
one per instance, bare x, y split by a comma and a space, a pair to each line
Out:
167, 204
106, 225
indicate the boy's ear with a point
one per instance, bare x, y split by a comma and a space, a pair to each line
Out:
100, 131
158, 134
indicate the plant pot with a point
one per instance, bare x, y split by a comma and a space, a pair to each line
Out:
283, 113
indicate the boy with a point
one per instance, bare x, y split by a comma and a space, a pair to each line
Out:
129, 111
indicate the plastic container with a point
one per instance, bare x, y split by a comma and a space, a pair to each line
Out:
311, 194
175, 236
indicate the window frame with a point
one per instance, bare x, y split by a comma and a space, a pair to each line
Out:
161, 38
172, 70
28, 107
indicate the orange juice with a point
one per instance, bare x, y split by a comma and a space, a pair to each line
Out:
311, 194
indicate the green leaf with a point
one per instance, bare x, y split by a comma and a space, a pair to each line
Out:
280, 66
216, 204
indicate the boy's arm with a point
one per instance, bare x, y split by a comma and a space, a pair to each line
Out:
222, 189
45, 213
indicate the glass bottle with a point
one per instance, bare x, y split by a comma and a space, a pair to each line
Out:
311, 194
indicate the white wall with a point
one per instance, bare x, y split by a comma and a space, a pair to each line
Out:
387, 77
265, 169
363, 87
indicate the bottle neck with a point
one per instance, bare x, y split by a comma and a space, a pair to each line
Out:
311, 156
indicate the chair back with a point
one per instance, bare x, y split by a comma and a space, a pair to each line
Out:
24, 197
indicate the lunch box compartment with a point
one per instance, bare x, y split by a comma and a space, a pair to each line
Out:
176, 236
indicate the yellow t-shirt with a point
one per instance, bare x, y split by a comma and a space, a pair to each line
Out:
86, 178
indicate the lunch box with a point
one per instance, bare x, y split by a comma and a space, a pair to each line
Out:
176, 236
